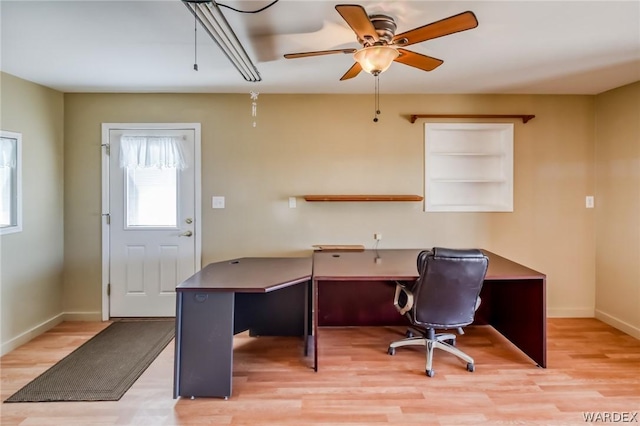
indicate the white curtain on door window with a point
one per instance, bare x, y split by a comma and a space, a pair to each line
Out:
7, 152
152, 152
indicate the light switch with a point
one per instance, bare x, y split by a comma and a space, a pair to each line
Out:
292, 202
217, 202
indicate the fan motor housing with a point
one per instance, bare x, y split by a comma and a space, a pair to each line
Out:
385, 27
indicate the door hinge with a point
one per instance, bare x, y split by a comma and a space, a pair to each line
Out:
107, 217
107, 148
109, 289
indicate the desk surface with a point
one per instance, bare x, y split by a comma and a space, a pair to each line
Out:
264, 274
250, 275
501, 268
399, 264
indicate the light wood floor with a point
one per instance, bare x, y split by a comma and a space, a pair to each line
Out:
591, 368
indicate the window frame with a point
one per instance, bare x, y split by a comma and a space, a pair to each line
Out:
16, 198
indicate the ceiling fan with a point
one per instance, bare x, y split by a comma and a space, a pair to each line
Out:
381, 46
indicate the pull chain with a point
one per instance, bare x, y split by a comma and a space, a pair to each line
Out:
377, 97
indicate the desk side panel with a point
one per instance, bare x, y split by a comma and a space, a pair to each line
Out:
206, 345
518, 311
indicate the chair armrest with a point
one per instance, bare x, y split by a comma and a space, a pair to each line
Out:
401, 288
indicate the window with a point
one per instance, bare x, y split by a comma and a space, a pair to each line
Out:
10, 182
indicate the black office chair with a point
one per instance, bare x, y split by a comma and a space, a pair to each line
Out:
445, 296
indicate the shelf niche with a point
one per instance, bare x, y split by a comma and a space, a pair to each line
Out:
359, 197
469, 167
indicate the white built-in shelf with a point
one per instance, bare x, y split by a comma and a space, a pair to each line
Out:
469, 167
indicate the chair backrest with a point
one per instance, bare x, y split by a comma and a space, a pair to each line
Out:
448, 286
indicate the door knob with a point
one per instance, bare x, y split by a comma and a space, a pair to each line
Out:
186, 234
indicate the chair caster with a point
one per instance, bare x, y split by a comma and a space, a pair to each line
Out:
430, 373
470, 367
391, 351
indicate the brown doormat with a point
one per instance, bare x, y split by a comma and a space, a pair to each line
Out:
104, 367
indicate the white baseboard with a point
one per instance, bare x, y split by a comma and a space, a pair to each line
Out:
33, 332
570, 313
83, 316
618, 323
23, 338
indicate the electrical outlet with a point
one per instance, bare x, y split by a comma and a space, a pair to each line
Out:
589, 202
377, 236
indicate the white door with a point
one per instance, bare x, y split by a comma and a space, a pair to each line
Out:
152, 225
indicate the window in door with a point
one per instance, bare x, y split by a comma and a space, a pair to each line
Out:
151, 197
151, 166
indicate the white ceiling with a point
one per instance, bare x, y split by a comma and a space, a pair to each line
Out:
536, 47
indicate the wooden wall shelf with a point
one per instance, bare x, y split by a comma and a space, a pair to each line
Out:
525, 117
363, 198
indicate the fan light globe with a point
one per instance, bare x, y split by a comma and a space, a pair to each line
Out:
375, 59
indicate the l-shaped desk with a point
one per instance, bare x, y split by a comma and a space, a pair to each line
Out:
299, 296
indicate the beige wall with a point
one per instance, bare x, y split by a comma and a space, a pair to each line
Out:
310, 144
31, 261
618, 208
306, 144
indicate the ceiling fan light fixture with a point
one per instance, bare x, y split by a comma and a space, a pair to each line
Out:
376, 59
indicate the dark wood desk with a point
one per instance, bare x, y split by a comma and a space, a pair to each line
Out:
356, 289
267, 296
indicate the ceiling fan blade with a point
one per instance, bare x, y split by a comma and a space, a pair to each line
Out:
358, 20
417, 60
453, 24
318, 53
352, 72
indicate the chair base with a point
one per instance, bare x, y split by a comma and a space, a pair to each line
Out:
435, 341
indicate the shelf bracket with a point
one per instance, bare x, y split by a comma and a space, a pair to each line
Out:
525, 117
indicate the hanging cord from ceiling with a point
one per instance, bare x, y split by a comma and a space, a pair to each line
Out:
248, 11
195, 42
195, 23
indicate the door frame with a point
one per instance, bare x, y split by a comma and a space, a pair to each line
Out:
105, 209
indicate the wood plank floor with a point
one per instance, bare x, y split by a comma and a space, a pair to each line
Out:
592, 367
